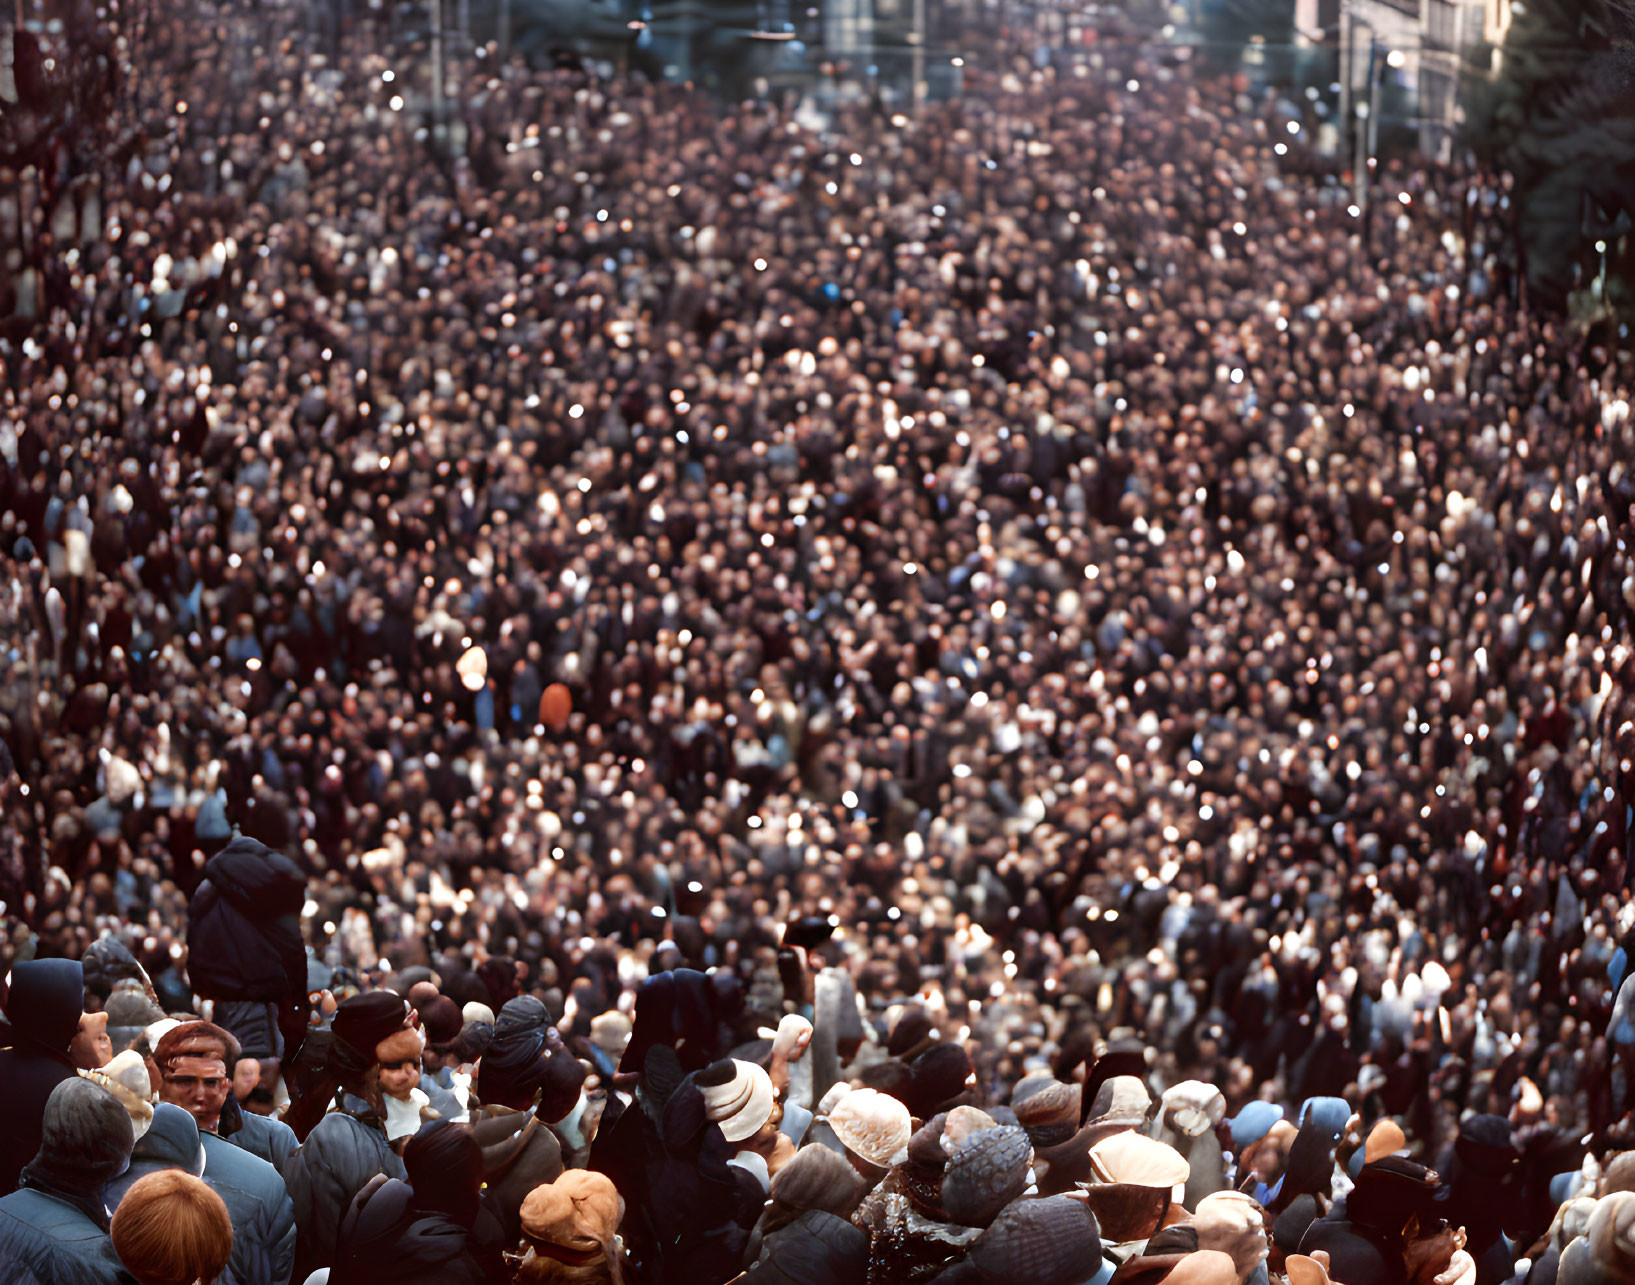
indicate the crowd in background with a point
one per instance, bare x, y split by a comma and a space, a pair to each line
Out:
939, 605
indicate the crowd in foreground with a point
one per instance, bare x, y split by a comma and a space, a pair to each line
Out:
1025, 692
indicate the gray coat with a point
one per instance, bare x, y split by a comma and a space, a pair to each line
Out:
335, 1163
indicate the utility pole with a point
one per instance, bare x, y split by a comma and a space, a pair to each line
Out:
1366, 112
919, 55
1345, 65
437, 70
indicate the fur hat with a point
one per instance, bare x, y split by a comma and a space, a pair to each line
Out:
364, 1021
126, 1077
196, 1039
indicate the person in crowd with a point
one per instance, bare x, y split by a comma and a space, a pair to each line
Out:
40, 1048
245, 917
433, 1227
1032, 688
54, 1226
348, 1145
171, 1229
193, 1058
264, 1238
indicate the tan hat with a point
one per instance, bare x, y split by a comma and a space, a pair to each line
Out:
1193, 1107
1304, 1270
872, 1125
1136, 1158
742, 1104
1121, 1100
407, 1045
610, 1032
1206, 1267
126, 1077
573, 1219
794, 1033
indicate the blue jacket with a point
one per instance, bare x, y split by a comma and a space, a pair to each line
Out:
263, 1221
262, 1136
263, 1216
45, 1240
335, 1163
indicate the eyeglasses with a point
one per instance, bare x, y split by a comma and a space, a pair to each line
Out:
211, 1082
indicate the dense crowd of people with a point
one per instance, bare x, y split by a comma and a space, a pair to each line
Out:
645, 692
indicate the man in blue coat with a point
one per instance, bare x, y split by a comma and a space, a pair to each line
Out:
263, 1247
193, 1059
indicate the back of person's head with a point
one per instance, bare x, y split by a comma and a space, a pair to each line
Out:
559, 1086
172, 1229
444, 1164
43, 1004
86, 1135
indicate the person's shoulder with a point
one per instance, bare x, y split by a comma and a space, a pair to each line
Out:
43, 1215
268, 1133
232, 1165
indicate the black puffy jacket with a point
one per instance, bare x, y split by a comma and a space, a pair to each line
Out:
244, 926
340, 1156
385, 1240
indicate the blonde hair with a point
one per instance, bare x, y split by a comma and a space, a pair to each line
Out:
172, 1229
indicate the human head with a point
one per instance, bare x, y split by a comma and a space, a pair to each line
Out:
126, 1077
172, 1229
573, 1219
440, 1019
193, 1061
91, 1049
399, 1057
363, 1022
85, 1138
45, 1002
246, 1075
512, 1070
445, 1167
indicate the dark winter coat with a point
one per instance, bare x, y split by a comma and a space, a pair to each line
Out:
343, 1152
384, 1240
45, 1240
263, 1221
244, 926
42, 1013
262, 1212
